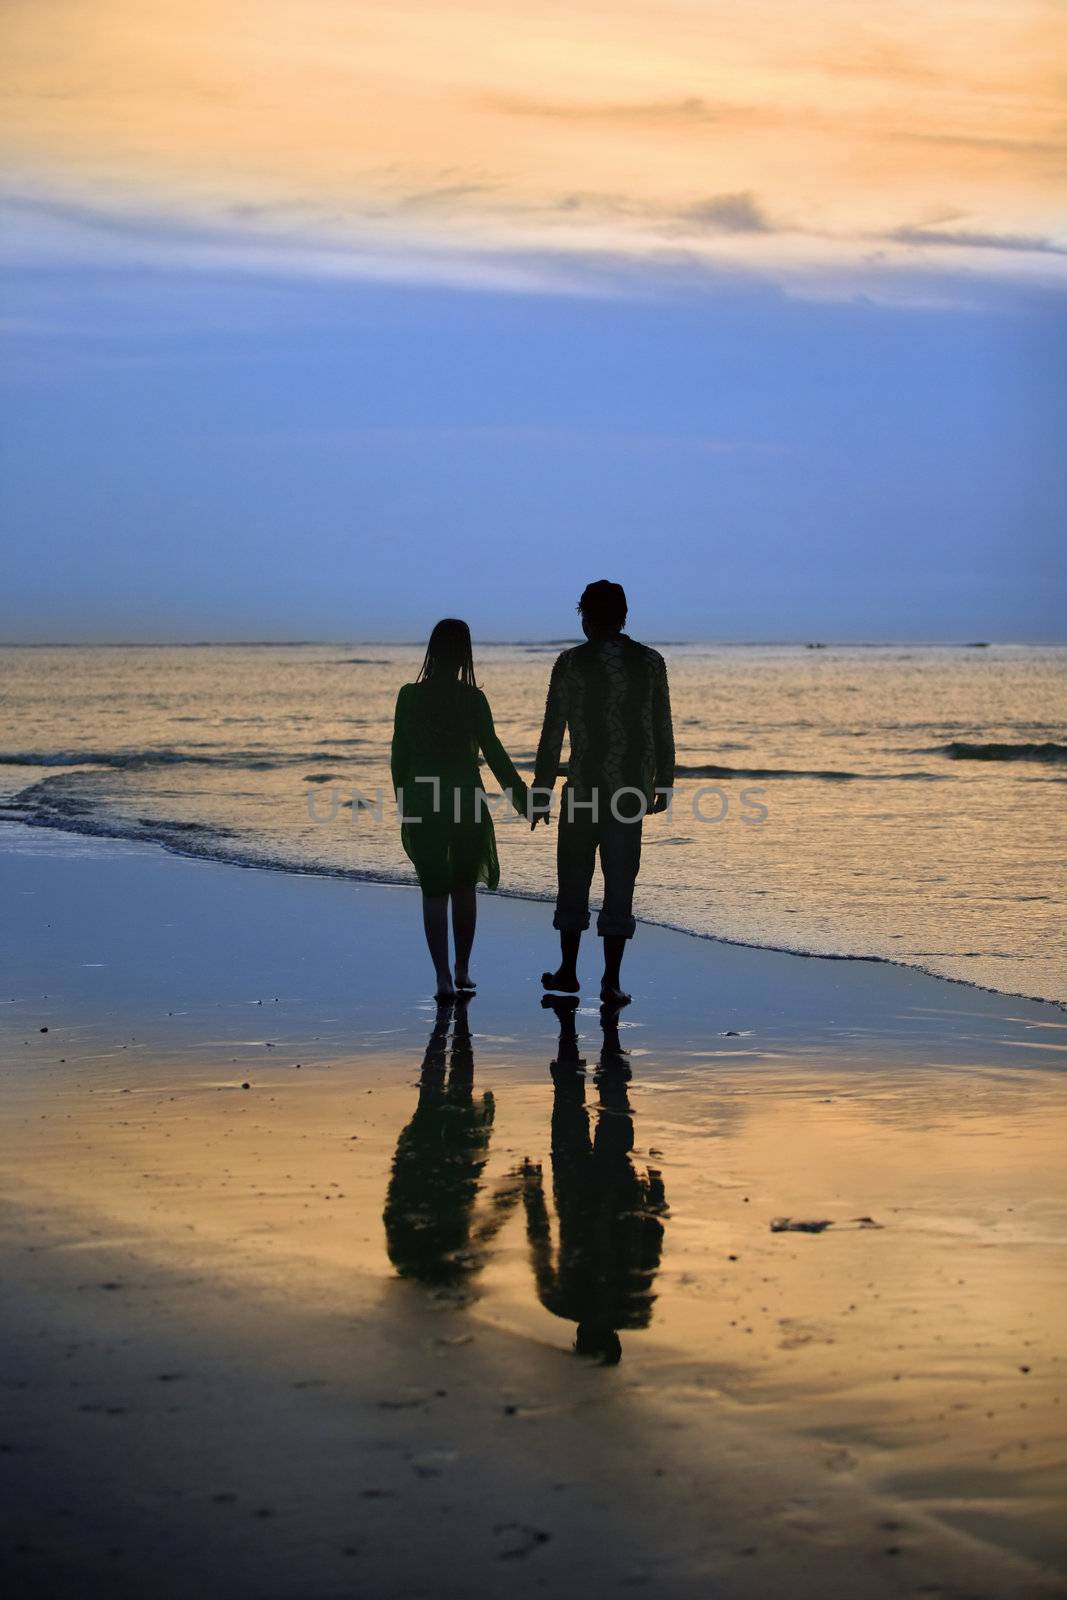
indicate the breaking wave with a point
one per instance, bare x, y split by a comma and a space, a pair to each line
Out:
1049, 753
138, 760
819, 776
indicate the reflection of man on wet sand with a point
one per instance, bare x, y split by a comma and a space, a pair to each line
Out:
434, 1230
609, 1215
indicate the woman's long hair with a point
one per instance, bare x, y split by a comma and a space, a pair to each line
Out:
446, 706
449, 656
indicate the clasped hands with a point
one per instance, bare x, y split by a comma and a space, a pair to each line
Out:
540, 810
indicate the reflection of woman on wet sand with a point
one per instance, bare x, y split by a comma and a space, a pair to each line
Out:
434, 1232
609, 1215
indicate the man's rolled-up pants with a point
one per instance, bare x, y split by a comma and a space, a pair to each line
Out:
582, 832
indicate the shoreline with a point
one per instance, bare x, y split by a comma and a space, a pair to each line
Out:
404, 880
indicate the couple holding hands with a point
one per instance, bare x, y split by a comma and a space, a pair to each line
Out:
610, 696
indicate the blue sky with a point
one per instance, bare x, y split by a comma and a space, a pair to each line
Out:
196, 454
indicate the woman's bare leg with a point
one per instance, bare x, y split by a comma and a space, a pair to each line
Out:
435, 923
464, 921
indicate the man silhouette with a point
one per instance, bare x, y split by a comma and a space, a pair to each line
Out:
610, 694
610, 1216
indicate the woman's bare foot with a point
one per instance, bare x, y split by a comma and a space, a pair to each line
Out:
613, 997
446, 989
465, 983
561, 982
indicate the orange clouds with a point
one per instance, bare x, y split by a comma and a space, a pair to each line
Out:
765, 136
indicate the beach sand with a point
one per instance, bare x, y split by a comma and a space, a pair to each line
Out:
276, 1323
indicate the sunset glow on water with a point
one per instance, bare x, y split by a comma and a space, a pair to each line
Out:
913, 796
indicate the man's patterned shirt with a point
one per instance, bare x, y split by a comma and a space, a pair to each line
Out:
611, 696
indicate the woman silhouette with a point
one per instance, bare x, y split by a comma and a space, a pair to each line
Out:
442, 721
439, 1226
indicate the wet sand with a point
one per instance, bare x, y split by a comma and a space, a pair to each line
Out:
315, 1336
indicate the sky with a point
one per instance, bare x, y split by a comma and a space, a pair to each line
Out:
325, 318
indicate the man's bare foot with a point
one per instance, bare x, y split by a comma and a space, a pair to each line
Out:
613, 997
561, 982
465, 983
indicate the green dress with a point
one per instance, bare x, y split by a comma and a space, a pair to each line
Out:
446, 825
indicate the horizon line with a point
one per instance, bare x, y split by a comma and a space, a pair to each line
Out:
502, 644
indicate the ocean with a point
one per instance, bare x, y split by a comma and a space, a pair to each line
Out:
899, 803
